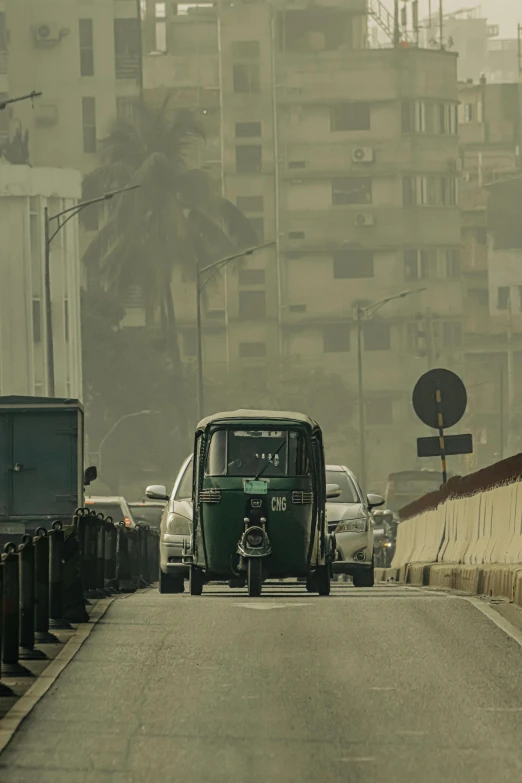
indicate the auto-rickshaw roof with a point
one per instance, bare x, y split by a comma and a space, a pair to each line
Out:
258, 417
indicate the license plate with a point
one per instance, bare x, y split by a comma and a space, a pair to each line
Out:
12, 528
256, 487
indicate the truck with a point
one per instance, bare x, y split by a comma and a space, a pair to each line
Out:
42, 475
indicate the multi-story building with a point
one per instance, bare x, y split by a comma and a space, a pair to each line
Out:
86, 59
490, 122
347, 158
25, 192
481, 50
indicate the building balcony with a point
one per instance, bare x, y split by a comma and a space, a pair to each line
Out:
369, 226
4, 60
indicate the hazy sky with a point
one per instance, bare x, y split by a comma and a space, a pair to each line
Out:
507, 13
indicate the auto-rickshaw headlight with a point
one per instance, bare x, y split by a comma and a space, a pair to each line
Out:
255, 538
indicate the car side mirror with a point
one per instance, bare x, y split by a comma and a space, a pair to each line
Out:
333, 491
374, 501
157, 492
90, 475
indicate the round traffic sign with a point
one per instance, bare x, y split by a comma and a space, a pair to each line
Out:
453, 398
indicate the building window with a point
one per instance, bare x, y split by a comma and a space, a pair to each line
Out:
481, 236
89, 124
246, 78
352, 190
160, 30
429, 117
252, 304
297, 164
37, 321
296, 235
258, 224
431, 263
429, 191
336, 338
350, 117
252, 350
127, 45
503, 297
468, 113
480, 296
250, 203
377, 336
190, 343
248, 159
353, 263
245, 50
379, 410
251, 277
126, 108
86, 47
248, 129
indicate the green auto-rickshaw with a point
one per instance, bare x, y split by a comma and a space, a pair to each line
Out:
259, 502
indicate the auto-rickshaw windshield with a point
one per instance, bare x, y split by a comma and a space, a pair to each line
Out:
246, 453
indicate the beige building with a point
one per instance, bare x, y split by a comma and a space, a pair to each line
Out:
491, 138
85, 57
24, 194
346, 157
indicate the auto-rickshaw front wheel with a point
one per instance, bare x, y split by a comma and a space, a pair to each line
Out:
255, 576
322, 580
195, 580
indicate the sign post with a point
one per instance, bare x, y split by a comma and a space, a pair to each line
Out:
440, 400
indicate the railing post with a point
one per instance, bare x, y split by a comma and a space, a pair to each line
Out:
27, 602
56, 542
41, 570
11, 615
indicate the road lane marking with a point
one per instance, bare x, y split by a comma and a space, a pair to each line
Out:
501, 709
496, 618
411, 733
270, 606
359, 759
382, 688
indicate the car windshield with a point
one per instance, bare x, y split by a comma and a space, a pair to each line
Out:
248, 453
113, 510
348, 491
184, 490
149, 514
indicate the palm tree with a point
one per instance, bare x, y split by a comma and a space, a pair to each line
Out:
173, 219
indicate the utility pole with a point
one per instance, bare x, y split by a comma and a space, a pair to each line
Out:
502, 411
441, 24
519, 47
396, 28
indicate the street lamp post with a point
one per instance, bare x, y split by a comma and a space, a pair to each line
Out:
117, 424
362, 315
71, 212
29, 97
210, 270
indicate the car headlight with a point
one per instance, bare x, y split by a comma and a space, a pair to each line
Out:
351, 526
178, 525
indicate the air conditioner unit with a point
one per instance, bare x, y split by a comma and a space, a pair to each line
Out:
364, 219
363, 155
47, 33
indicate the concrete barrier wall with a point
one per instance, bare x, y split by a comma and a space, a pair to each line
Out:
465, 538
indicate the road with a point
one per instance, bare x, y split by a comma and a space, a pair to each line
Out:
383, 685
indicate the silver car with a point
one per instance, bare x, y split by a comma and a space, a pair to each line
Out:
175, 529
349, 518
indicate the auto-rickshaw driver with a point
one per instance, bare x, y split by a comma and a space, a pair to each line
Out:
250, 462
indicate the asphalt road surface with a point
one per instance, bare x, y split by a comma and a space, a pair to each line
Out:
391, 685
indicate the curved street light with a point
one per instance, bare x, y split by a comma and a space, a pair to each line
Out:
117, 424
363, 314
70, 212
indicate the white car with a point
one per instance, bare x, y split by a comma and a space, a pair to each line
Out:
349, 518
175, 529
